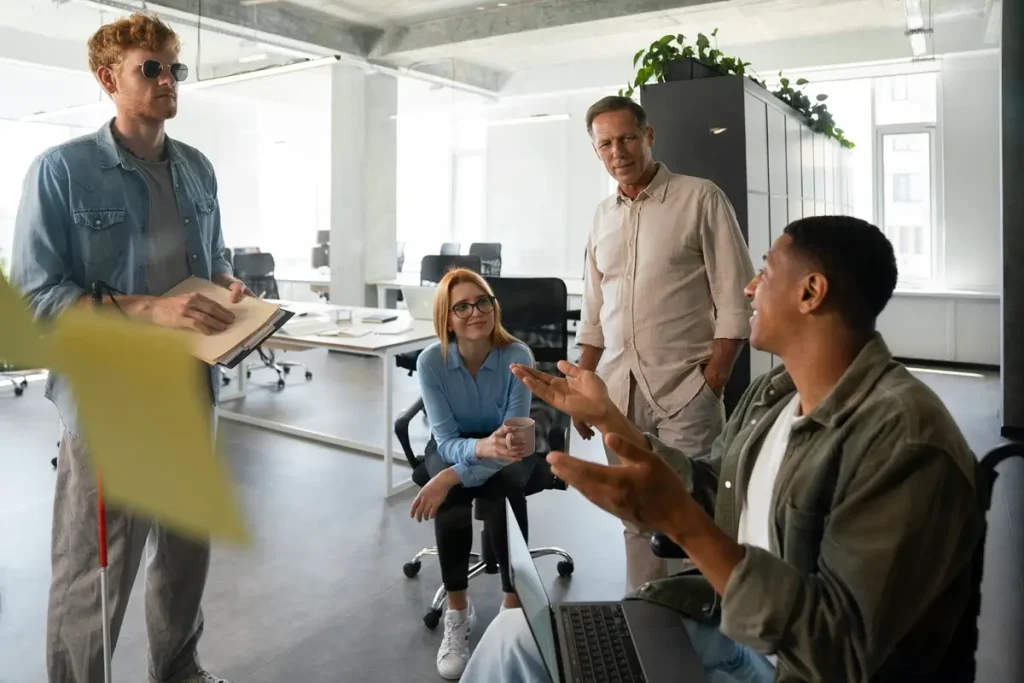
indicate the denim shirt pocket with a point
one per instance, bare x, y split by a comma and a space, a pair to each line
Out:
204, 216
103, 234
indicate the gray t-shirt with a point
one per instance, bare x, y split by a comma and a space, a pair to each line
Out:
168, 258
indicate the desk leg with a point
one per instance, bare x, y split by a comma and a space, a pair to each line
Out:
382, 296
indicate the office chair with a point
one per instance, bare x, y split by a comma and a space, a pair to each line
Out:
16, 380
490, 257
451, 249
959, 664
534, 314
256, 270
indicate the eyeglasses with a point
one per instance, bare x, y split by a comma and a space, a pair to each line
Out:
465, 309
152, 69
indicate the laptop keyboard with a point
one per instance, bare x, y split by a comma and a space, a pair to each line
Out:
602, 644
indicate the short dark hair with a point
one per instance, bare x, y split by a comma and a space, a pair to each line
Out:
856, 258
615, 103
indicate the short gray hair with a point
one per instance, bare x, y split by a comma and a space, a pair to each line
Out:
615, 103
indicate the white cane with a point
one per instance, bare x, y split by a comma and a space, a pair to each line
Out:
104, 606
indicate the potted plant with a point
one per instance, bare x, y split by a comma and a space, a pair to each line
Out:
671, 58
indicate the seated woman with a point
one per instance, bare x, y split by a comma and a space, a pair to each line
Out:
469, 393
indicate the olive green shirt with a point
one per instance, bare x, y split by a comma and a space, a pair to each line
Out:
875, 521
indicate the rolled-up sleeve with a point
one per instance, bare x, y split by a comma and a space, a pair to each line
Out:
885, 557
728, 265
41, 265
590, 331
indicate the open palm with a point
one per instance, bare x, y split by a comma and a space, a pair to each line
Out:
581, 393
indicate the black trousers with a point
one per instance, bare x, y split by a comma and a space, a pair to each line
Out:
453, 525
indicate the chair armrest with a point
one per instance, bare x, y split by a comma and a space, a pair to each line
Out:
663, 546
402, 432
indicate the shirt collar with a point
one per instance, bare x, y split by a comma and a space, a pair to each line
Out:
657, 189
848, 394
455, 360
112, 155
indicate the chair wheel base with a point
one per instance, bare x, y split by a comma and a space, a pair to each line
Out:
566, 568
411, 569
280, 384
287, 370
309, 375
19, 390
432, 618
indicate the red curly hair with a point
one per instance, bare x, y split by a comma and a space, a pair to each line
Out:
107, 46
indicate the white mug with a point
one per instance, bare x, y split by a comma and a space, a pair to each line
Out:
523, 428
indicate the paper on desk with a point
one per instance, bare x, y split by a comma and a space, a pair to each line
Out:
145, 410
250, 315
21, 342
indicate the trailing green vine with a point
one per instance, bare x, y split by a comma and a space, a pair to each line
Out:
653, 62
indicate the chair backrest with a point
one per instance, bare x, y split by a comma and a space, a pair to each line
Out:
490, 257
451, 249
533, 309
434, 266
959, 664
257, 272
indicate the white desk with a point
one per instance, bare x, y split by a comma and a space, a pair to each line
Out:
573, 286
405, 334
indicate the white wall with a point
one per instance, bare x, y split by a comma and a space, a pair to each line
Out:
971, 171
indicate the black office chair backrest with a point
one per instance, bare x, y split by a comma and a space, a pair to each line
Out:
257, 272
451, 249
434, 266
533, 309
959, 664
490, 257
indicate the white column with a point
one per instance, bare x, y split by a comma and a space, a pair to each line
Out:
363, 149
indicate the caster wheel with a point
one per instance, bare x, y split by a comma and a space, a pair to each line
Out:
309, 375
18, 391
248, 374
280, 384
287, 369
225, 381
432, 619
411, 569
566, 568
54, 463
24, 384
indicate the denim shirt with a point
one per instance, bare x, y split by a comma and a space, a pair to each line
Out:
84, 216
458, 403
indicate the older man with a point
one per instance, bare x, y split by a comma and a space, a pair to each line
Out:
663, 309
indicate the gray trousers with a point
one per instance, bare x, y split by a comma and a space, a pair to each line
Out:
692, 430
176, 569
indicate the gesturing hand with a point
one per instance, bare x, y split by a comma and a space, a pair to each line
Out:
191, 312
581, 393
643, 489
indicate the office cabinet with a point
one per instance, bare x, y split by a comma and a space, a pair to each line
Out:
773, 168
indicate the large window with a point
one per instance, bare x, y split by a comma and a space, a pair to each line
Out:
895, 164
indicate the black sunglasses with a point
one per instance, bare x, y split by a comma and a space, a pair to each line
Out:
152, 69
465, 309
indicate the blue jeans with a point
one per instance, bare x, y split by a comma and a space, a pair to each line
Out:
507, 653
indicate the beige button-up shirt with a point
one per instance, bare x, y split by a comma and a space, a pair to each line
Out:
664, 277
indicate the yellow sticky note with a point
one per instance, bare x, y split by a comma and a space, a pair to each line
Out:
21, 340
147, 418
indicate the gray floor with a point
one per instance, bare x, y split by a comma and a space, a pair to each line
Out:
321, 597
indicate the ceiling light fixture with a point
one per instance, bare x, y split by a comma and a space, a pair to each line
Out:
249, 59
539, 118
718, 131
917, 30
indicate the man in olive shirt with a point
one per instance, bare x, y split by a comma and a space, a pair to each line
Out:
663, 307
828, 556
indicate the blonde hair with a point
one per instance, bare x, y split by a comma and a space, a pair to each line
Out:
108, 45
443, 305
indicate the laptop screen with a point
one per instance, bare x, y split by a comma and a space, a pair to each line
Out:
530, 589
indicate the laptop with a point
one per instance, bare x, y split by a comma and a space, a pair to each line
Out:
601, 642
420, 301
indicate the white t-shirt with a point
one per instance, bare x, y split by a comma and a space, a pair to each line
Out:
756, 513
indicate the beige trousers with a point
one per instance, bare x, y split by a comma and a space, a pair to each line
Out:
692, 430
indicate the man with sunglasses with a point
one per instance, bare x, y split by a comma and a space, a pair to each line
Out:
119, 217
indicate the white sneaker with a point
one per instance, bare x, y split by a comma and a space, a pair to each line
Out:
203, 677
453, 655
